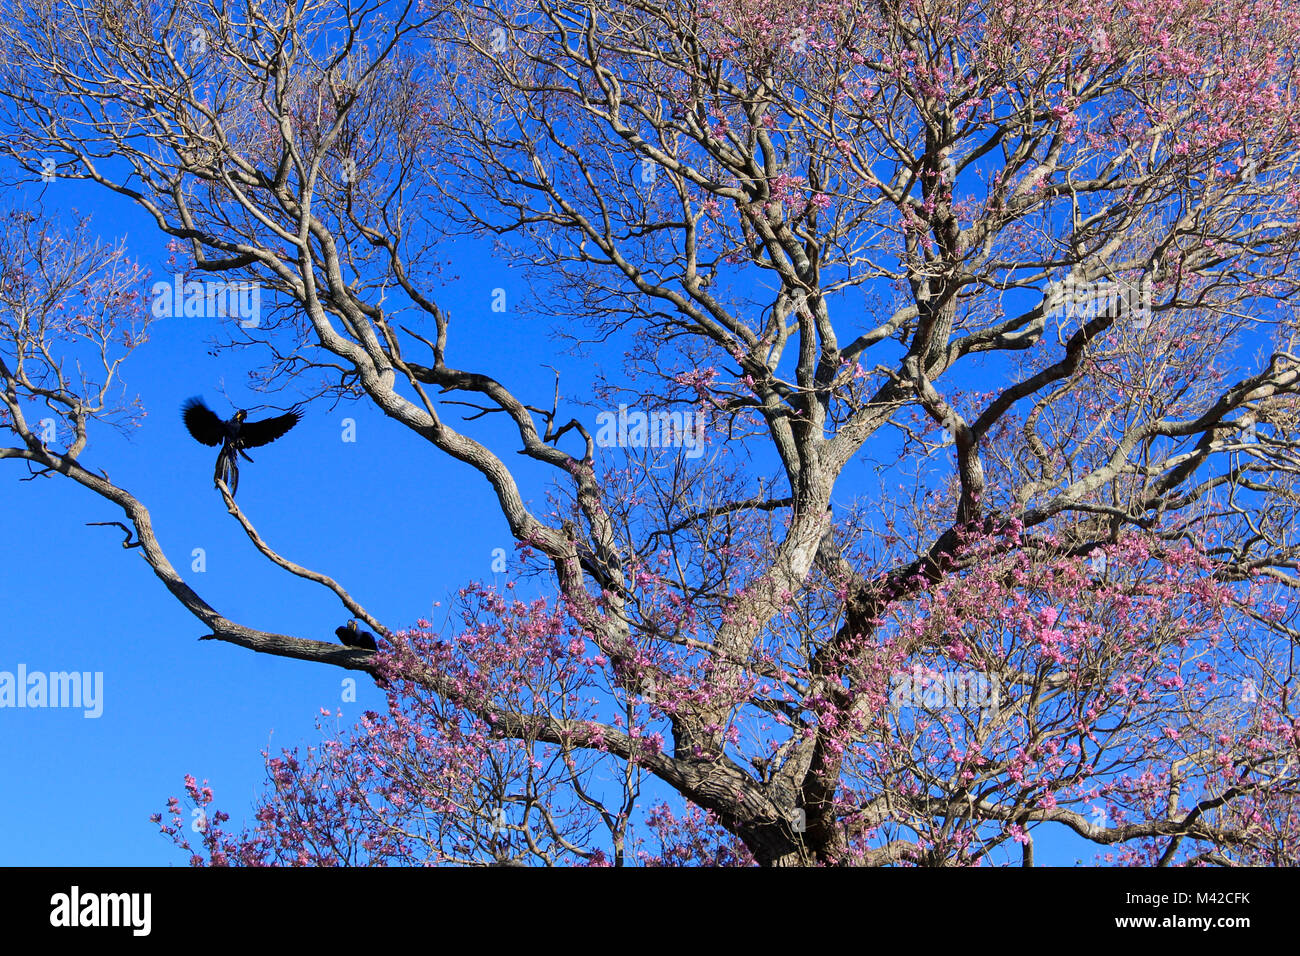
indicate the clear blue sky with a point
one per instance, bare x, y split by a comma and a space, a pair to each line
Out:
79, 790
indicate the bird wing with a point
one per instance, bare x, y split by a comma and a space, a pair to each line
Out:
203, 423
252, 434
344, 635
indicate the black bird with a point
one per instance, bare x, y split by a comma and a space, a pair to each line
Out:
233, 436
352, 637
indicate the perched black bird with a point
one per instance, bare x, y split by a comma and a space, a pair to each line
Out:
353, 637
233, 436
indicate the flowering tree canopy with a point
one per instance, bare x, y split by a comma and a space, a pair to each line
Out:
958, 492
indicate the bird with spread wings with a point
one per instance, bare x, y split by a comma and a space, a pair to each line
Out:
233, 436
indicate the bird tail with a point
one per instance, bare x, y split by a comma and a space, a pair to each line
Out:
227, 471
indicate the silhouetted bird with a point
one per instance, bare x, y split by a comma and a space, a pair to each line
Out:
233, 436
353, 637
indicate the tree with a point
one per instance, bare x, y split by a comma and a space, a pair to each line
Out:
958, 342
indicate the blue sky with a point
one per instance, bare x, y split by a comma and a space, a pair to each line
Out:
80, 790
